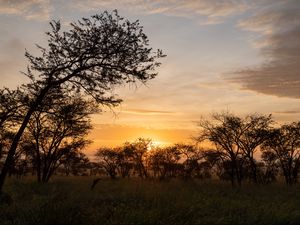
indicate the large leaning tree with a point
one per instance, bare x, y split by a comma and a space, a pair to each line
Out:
95, 55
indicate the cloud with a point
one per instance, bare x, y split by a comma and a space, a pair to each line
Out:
117, 134
30, 9
277, 27
288, 112
147, 112
210, 12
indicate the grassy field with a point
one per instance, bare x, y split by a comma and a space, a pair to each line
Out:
70, 201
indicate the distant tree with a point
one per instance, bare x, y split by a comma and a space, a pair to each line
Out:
164, 162
125, 161
223, 130
138, 151
284, 143
75, 163
108, 158
59, 132
237, 139
268, 168
190, 157
93, 57
254, 132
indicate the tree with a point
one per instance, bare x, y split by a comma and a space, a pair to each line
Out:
164, 161
138, 151
191, 156
108, 158
76, 163
284, 143
223, 131
269, 167
237, 139
58, 132
94, 56
254, 132
12, 105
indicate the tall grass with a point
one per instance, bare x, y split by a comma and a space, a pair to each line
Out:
70, 201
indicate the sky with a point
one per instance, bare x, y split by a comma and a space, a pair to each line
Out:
241, 56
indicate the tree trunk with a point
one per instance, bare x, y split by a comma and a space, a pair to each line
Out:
11, 153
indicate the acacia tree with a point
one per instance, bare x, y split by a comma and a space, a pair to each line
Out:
284, 143
108, 159
138, 151
254, 132
59, 131
164, 161
237, 139
94, 56
223, 131
76, 163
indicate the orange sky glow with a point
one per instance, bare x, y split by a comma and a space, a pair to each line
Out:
237, 56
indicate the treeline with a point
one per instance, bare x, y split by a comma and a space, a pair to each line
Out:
249, 149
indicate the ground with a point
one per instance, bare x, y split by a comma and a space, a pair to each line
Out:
70, 201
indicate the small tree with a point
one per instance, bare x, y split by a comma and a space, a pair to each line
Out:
108, 158
93, 57
59, 131
138, 151
75, 163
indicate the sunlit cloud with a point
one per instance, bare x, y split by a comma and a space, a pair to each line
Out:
210, 12
115, 134
277, 27
147, 112
288, 112
29, 9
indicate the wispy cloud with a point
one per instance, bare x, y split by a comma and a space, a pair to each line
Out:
288, 112
210, 12
29, 9
278, 28
147, 112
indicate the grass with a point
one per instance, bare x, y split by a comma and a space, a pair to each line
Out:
70, 201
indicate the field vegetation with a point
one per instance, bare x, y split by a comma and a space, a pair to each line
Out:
134, 201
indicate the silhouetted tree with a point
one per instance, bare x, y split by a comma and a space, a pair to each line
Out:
94, 56
284, 143
59, 131
190, 157
164, 162
12, 106
268, 168
108, 158
75, 163
223, 130
125, 161
138, 151
254, 132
